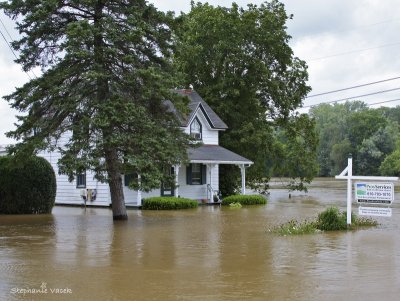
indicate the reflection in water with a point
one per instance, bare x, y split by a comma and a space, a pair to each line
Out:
210, 253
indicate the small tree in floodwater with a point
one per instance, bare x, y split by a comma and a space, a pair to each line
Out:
105, 76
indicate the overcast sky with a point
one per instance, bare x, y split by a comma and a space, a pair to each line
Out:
344, 42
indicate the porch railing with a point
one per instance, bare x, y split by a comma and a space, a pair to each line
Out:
214, 193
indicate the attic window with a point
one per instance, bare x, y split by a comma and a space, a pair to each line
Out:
195, 129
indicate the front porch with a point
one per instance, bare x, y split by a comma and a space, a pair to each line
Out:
199, 180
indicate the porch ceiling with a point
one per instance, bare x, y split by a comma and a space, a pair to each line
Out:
215, 154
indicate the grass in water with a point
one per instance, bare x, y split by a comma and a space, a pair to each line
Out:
294, 227
235, 205
331, 219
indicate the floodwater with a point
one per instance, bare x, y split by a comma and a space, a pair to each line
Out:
209, 253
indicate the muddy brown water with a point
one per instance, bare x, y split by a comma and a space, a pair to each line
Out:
209, 253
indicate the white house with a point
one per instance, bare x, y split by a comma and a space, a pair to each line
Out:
198, 180
3, 150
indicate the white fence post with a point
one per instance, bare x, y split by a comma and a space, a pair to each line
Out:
349, 188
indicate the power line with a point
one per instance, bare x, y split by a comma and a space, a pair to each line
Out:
12, 50
352, 51
367, 104
353, 87
9, 46
352, 97
6, 30
380, 102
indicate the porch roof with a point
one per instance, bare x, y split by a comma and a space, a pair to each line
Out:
215, 154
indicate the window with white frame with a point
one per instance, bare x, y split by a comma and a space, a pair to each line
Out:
196, 174
81, 180
195, 129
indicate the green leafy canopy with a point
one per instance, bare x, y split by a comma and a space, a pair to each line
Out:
240, 61
106, 73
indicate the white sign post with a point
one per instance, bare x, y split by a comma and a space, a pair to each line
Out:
349, 177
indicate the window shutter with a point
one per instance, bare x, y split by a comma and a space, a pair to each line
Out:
189, 174
203, 174
129, 177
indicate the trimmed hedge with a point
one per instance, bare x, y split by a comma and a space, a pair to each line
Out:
168, 203
27, 187
244, 199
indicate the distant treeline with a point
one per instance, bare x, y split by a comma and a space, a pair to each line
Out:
370, 135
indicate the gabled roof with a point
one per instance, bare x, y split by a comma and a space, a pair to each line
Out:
215, 154
197, 103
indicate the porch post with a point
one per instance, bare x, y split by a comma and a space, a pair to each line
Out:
243, 172
209, 189
176, 168
139, 192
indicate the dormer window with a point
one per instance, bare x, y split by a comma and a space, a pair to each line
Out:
195, 129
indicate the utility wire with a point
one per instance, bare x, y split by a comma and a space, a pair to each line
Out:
353, 87
367, 104
380, 102
6, 30
352, 97
9, 46
352, 51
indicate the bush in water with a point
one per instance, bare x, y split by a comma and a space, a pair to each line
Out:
27, 187
331, 219
244, 199
168, 203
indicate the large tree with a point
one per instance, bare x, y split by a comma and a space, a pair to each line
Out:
332, 124
105, 75
353, 128
391, 165
239, 60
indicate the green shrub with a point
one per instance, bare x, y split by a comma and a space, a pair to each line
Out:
168, 203
332, 219
27, 187
235, 205
244, 199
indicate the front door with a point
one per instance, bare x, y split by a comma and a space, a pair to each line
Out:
167, 190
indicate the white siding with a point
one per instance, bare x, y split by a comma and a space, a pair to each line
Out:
131, 195
209, 135
215, 178
196, 192
67, 192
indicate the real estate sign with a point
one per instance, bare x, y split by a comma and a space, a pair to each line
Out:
375, 211
374, 193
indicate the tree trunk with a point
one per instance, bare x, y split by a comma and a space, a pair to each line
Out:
116, 188
103, 95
